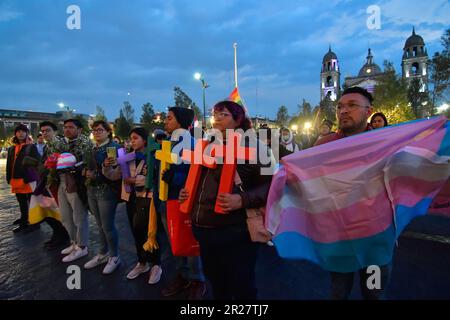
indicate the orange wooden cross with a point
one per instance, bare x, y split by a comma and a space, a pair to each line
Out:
231, 152
197, 159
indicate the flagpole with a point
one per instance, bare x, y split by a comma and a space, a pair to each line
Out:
235, 65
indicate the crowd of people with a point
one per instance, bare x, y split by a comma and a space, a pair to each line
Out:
84, 175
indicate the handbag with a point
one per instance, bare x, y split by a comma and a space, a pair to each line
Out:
255, 220
179, 225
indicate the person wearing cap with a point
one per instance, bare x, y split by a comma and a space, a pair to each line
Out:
72, 193
189, 270
228, 254
21, 178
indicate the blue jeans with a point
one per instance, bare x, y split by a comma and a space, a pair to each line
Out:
103, 204
342, 284
189, 267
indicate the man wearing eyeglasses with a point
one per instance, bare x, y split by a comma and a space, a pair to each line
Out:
352, 112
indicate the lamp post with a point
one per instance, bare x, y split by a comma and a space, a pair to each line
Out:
198, 76
67, 108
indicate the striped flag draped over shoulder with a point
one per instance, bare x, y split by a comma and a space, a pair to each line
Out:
343, 204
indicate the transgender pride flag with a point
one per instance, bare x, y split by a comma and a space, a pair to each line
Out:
343, 204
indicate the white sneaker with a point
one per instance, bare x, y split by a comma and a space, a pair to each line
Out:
69, 249
140, 268
155, 274
76, 254
96, 261
113, 263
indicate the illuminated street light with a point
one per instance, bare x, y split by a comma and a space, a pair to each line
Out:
444, 107
294, 127
307, 125
198, 76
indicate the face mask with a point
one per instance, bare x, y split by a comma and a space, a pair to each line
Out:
285, 138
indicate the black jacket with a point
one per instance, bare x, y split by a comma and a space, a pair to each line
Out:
255, 189
16, 162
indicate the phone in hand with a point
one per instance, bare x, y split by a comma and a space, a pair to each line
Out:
111, 152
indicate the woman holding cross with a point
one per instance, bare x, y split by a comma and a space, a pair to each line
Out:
133, 172
227, 251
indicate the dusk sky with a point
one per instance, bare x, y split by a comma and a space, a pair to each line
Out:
145, 48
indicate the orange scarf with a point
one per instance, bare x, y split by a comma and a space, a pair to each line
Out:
17, 184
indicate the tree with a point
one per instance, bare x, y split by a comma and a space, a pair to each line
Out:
147, 117
327, 110
416, 98
84, 123
124, 123
304, 108
100, 114
440, 72
121, 126
282, 116
184, 101
128, 113
391, 96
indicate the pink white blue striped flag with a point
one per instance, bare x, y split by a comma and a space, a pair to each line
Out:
343, 204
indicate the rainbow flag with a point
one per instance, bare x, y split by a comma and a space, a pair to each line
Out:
343, 204
235, 97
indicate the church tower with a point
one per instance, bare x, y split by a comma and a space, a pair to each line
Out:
414, 60
329, 76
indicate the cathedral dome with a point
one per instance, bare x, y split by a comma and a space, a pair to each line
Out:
370, 68
414, 40
329, 55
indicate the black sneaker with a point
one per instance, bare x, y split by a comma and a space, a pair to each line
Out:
32, 227
20, 228
177, 285
197, 290
57, 243
49, 241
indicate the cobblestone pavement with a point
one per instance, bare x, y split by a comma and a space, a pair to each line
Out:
421, 268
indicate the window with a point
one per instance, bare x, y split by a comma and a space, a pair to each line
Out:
415, 68
329, 81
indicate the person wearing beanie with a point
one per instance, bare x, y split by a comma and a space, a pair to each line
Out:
189, 269
138, 204
19, 176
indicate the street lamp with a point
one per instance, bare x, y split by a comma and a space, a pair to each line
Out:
294, 127
307, 126
67, 108
198, 76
